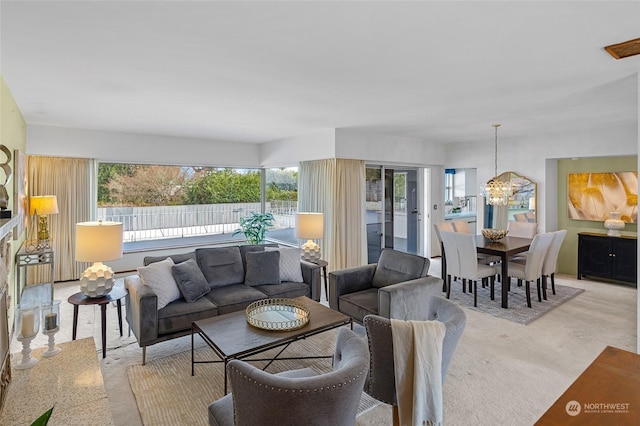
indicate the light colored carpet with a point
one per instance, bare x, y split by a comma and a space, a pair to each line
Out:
167, 394
501, 373
518, 310
70, 381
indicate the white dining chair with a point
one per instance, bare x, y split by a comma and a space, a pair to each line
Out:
453, 260
531, 270
522, 229
550, 263
462, 226
471, 269
439, 228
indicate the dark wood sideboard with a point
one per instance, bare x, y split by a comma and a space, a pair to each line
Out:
604, 256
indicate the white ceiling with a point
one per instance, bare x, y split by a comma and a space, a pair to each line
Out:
261, 71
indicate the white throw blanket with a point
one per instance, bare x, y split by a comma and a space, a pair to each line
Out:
417, 355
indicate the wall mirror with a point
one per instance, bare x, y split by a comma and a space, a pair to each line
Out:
521, 206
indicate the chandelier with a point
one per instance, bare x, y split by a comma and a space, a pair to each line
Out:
497, 192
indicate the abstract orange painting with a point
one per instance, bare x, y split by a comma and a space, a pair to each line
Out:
592, 196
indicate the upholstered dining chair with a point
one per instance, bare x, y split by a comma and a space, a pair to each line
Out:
550, 262
471, 269
453, 261
531, 270
296, 397
464, 227
439, 228
522, 229
381, 383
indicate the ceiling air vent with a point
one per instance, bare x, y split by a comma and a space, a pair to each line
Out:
625, 49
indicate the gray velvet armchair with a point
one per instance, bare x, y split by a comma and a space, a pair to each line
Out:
297, 397
380, 382
398, 286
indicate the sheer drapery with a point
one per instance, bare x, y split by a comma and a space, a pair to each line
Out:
336, 187
73, 182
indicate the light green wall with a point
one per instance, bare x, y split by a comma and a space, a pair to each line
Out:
568, 258
13, 135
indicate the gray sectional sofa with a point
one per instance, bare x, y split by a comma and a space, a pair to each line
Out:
234, 277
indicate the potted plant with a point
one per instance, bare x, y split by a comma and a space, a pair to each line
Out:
255, 226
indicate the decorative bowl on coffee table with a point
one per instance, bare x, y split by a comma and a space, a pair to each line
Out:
279, 314
494, 234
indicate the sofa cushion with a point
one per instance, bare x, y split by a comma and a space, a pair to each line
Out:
191, 282
395, 267
234, 297
177, 258
263, 267
286, 289
221, 266
244, 249
179, 315
159, 278
290, 269
359, 304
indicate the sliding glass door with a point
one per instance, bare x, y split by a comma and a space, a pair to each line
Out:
392, 210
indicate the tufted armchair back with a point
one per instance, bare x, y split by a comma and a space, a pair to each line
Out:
381, 382
262, 398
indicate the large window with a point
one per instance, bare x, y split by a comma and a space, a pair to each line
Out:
281, 187
168, 202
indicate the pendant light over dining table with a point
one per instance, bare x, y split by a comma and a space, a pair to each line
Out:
496, 192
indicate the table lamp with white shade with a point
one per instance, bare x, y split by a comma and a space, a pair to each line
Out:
41, 206
98, 242
310, 226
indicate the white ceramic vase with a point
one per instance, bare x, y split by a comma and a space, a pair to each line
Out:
614, 224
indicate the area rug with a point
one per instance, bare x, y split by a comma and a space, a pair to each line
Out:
167, 394
518, 311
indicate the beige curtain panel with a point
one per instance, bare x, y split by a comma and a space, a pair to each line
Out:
336, 187
73, 182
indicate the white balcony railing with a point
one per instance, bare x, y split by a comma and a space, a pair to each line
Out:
159, 222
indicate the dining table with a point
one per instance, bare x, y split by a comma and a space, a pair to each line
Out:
505, 247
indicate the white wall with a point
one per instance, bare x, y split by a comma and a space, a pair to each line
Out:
138, 148
383, 149
528, 156
290, 151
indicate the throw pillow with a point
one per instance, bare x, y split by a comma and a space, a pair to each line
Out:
289, 263
159, 278
221, 265
190, 279
263, 267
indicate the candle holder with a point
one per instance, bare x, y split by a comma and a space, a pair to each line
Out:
51, 325
27, 326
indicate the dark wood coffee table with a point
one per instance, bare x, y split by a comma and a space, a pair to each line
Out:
231, 337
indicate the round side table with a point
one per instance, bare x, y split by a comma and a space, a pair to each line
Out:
115, 295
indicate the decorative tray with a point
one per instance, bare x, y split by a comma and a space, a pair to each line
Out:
278, 314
